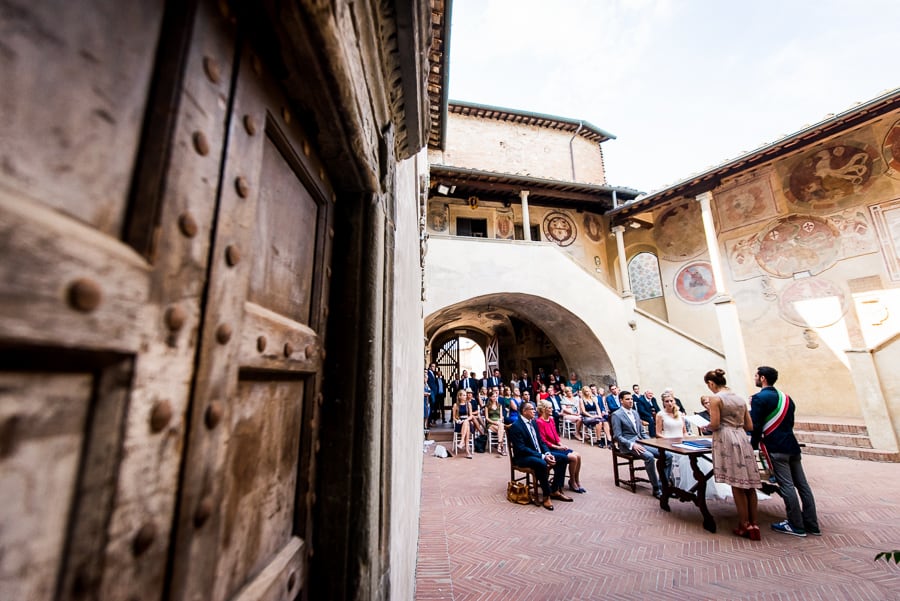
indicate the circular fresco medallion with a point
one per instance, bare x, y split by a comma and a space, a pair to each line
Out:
890, 150
593, 227
824, 178
694, 283
678, 232
559, 228
813, 303
798, 243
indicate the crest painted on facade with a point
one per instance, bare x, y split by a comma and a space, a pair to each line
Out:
593, 227
559, 228
798, 243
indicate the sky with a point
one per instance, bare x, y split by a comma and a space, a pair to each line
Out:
684, 85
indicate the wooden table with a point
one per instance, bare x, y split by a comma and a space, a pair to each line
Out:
697, 494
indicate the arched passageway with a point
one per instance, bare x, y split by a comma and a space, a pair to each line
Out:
525, 332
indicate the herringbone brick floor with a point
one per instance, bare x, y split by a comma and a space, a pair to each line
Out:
612, 544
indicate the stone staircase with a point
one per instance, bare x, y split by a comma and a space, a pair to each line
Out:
840, 437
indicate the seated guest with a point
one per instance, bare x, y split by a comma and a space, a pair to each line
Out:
612, 399
654, 405
493, 413
474, 411
627, 432
704, 400
547, 430
555, 402
645, 410
529, 450
574, 383
570, 412
513, 404
543, 393
589, 410
461, 413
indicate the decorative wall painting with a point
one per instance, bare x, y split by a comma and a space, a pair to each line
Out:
740, 253
857, 236
887, 224
678, 232
813, 302
593, 227
694, 283
829, 177
506, 229
890, 151
438, 217
559, 228
798, 243
745, 203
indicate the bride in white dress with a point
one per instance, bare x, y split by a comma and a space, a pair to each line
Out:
670, 424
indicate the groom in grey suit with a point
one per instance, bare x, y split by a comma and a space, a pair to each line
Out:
627, 431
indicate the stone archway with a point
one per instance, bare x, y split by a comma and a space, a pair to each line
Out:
532, 330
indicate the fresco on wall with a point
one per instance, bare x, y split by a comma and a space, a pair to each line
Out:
828, 178
740, 253
506, 229
813, 302
798, 243
887, 224
857, 235
745, 203
694, 283
890, 151
593, 227
678, 232
438, 217
559, 228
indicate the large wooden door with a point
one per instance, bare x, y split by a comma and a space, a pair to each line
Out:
164, 249
245, 497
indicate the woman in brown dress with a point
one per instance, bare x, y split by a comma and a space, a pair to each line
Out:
733, 459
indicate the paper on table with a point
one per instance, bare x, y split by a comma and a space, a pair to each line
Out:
697, 420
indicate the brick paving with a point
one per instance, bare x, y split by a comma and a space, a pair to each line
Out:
612, 544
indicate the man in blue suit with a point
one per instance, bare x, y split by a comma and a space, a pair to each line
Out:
529, 450
627, 431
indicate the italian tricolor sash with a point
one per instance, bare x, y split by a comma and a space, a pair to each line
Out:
778, 414
774, 420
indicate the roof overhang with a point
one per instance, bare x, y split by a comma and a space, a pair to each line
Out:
503, 187
576, 127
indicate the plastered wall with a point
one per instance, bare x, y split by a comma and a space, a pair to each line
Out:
490, 145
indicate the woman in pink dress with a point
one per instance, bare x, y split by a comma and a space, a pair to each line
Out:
547, 430
733, 459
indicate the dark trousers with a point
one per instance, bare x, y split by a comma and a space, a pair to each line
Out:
792, 480
542, 472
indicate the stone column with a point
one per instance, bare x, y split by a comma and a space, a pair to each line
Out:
877, 408
526, 219
738, 374
712, 243
619, 230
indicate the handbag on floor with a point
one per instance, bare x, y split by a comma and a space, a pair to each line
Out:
517, 492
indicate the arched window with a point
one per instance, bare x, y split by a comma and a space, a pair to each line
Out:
643, 270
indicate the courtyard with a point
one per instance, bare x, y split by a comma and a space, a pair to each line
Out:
612, 544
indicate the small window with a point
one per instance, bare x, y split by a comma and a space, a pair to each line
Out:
475, 228
535, 232
643, 271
